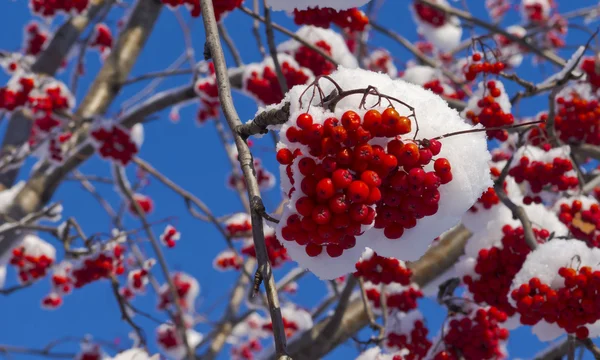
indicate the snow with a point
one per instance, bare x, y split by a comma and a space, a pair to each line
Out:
312, 35
570, 66
289, 6
431, 288
468, 155
135, 354
402, 324
482, 91
446, 37
2, 275
7, 197
376, 353
137, 134
419, 74
545, 6
179, 352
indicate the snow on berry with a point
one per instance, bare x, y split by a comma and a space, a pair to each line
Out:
135, 354
327, 40
239, 225
398, 297
35, 38
541, 169
208, 92
106, 262
289, 6
251, 327
61, 280
138, 279
497, 8
260, 79
171, 344
378, 269
291, 288
443, 31
509, 52
490, 106
536, 11
221, 7
265, 179
351, 20
169, 236
32, 258
456, 339
431, 79
582, 215
407, 331
246, 350
380, 60
345, 186
114, 142
51, 301
295, 320
187, 288
144, 202
16, 93
228, 260
102, 39
556, 287
376, 353
90, 351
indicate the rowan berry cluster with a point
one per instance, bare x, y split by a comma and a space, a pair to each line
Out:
482, 324
540, 174
11, 99
102, 38
104, 265
588, 65
144, 202
430, 15
437, 87
277, 253
490, 113
238, 225
169, 236
381, 270
114, 142
186, 288
310, 59
228, 260
584, 224
49, 8
578, 119
349, 19
415, 342
497, 266
246, 350
381, 61
30, 267
352, 175
264, 86
477, 67
35, 39
571, 306
290, 327
401, 298
221, 7
265, 179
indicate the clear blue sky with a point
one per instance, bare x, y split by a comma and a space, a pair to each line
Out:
193, 157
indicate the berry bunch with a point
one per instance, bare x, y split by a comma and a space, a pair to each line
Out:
49, 8
415, 342
348, 182
51, 301
583, 222
277, 253
401, 298
440, 88
11, 98
537, 11
102, 38
290, 327
482, 324
578, 119
489, 111
187, 289
238, 225
262, 83
381, 61
35, 39
381, 270
497, 8
477, 67
349, 19
221, 7
228, 260
144, 202
137, 280
430, 15
264, 177
497, 266
588, 65
30, 267
101, 266
539, 174
310, 59
571, 306
114, 143
169, 236
246, 350
54, 145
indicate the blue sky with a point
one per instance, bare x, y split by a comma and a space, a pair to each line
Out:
193, 157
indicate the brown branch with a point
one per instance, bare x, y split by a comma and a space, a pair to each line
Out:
6, 349
124, 314
246, 162
436, 261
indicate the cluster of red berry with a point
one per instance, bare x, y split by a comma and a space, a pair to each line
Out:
101, 266
239, 225
482, 324
169, 236
11, 99
208, 91
138, 279
403, 300
246, 350
51, 301
430, 15
290, 327
540, 174
488, 199
35, 38
102, 39
584, 224
55, 146
578, 120
168, 337
114, 142
30, 267
264, 85
380, 61
491, 114
277, 253
535, 11
416, 342
496, 268
588, 65
144, 202
227, 260
571, 307
221, 7
349, 19
183, 285
472, 70
354, 175
378, 269
51, 7
310, 59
